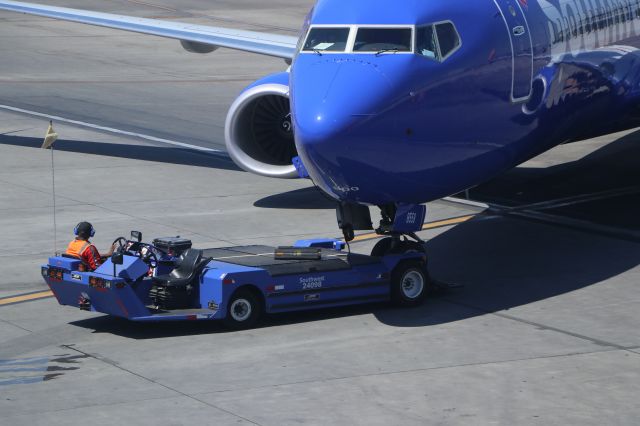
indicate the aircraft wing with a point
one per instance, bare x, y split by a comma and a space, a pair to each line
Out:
280, 46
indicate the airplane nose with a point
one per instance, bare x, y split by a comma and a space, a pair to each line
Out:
331, 99
332, 94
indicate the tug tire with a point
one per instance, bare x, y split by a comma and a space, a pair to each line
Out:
409, 284
243, 310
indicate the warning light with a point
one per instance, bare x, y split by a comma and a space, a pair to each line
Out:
99, 283
55, 274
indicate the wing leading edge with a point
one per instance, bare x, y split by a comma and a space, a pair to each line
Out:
280, 46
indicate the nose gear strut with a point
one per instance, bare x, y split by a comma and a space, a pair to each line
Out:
399, 224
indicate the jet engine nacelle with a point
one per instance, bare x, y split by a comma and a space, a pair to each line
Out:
194, 47
258, 129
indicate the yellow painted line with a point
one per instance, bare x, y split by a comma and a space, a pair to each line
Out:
428, 225
26, 297
447, 222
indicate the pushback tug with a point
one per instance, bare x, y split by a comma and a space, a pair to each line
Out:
168, 279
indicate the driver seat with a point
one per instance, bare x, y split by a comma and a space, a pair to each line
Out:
187, 268
176, 290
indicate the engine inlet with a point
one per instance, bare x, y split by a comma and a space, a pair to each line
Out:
259, 133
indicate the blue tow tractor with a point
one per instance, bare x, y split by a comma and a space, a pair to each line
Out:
168, 280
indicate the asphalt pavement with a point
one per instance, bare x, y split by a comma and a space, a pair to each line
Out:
540, 329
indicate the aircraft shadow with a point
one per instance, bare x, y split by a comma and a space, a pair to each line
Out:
305, 198
172, 155
612, 166
503, 263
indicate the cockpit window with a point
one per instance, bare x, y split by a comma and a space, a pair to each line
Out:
321, 39
383, 40
447, 38
427, 43
437, 41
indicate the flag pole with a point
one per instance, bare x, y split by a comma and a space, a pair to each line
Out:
53, 186
49, 139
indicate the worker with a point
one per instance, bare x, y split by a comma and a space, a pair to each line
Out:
83, 249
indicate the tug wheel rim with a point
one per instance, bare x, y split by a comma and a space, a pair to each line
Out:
412, 284
240, 310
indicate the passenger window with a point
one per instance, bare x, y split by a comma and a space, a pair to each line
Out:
447, 38
327, 39
426, 43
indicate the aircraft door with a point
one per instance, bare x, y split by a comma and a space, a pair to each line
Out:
521, 48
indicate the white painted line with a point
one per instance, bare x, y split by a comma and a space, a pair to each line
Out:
467, 202
116, 131
579, 224
580, 199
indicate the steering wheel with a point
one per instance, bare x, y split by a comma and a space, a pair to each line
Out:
122, 242
149, 257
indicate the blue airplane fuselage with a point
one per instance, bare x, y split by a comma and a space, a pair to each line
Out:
394, 126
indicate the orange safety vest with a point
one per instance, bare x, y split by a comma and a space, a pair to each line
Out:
77, 247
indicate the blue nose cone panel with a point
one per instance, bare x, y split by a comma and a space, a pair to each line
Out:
334, 92
334, 98
341, 107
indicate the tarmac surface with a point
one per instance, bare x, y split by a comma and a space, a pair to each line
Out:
542, 328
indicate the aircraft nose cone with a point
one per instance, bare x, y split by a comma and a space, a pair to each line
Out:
332, 98
332, 94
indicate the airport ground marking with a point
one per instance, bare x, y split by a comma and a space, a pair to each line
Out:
425, 227
463, 201
11, 300
578, 199
212, 151
447, 222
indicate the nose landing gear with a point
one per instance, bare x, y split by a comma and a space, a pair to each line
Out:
399, 224
410, 281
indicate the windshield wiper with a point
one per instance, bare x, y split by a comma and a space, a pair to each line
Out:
318, 51
380, 52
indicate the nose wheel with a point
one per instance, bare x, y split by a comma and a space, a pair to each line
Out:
397, 244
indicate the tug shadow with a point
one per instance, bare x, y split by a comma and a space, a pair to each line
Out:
168, 329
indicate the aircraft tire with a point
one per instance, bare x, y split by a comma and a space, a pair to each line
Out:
383, 247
